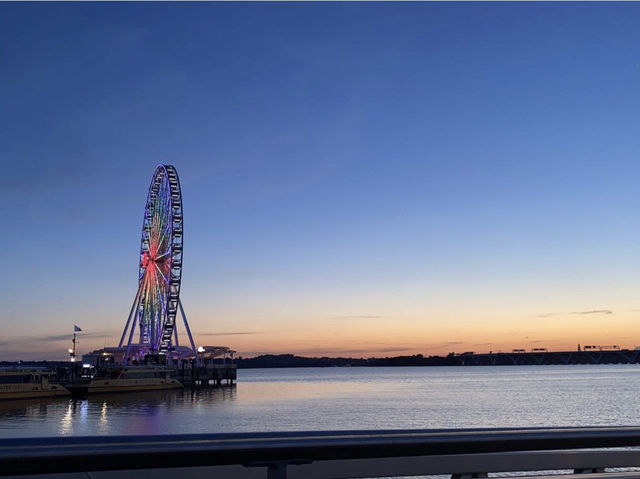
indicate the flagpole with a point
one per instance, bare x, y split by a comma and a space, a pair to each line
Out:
72, 352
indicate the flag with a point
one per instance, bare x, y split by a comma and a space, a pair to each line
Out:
76, 328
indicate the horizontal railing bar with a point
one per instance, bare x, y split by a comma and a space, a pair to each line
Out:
238, 472
602, 475
468, 464
95, 453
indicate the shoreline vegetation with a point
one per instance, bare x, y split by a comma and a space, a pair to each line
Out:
515, 358
293, 361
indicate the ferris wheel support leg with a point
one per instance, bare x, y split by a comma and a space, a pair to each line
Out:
186, 325
133, 326
133, 306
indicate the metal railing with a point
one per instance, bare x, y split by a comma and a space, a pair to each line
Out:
332, 454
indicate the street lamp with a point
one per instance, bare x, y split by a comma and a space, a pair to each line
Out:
200, 351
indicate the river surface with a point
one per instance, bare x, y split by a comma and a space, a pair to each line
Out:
349, 398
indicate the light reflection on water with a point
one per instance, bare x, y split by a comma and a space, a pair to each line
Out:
349, 398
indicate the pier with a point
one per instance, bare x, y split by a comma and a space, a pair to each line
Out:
208, 374
209, 366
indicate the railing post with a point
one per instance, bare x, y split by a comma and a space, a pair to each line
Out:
472, 475
277, 470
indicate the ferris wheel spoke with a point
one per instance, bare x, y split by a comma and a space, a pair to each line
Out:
152, 227
158, 285
166, 253
162, 226
145, 302
161, 306
143, 308
159, 208
164, 234
161, 273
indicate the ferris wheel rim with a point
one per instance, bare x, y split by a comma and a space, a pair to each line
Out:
166, 298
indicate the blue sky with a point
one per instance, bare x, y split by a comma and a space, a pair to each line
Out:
363, 178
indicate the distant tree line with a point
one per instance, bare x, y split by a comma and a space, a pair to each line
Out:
516, 358
292, 361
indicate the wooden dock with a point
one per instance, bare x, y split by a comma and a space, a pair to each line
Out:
207, 375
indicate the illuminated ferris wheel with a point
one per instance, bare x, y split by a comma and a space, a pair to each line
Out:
157, 302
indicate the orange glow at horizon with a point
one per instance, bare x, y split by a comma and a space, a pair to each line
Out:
366, 337
369, 335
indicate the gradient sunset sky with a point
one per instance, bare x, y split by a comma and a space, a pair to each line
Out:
363, 179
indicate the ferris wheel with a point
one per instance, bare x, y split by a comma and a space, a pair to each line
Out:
157, 302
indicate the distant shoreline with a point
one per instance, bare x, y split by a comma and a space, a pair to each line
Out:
540, 358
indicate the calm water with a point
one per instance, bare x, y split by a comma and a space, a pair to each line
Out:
350, 398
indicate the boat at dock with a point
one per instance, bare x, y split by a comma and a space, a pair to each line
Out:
123, 379
27, 383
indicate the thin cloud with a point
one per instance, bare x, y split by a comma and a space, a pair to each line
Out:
234, 333
30, 355
593, 311
64, 337
344, 352
349, 351
54, 337
359, 316
443, 345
